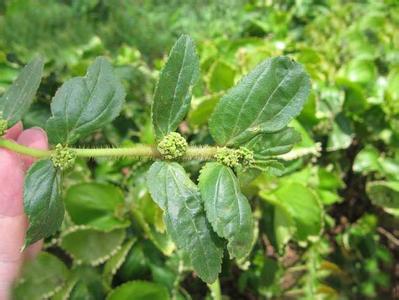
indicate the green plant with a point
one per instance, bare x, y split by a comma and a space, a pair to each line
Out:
247, 125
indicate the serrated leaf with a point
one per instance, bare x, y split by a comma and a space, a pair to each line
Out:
84, 104
139, 290
114, 263
384, 193
227, 209
96, 205
173, 92
185, 217
263, 101
41, 278
90, 246
42, 201
272, 144
18, 98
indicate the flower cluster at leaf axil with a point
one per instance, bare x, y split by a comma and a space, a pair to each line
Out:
172, 146
3, 125
235, 157
63, 157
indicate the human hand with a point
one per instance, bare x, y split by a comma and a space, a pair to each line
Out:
13, 222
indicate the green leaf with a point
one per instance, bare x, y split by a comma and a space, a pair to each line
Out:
84, 104
173, 93
297, 213
115, 262
227, 209
18, 98
42, 201
221, 76
304, 207
341, 135
384, 193
139, 290
90, 246
263, 101
276, 143
185, 219
41, 278
96, 205
284, 227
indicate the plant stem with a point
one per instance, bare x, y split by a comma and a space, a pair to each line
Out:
138, 151
215, 289
7, 144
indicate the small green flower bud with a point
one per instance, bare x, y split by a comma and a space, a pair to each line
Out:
63, 157
235, 157
228, 157
172, 146
3, 125
246, 157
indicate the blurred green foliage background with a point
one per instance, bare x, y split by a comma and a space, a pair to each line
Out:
342, 200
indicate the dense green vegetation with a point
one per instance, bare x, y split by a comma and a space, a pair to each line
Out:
320, 218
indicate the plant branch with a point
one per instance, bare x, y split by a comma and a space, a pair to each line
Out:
139, 151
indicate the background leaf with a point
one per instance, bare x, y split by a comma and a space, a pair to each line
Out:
173, 93
42, 201
227, 209
90, 246
41, 278
96, 205
84, 104
18, 98
139, 290
384, 193
265, 100
185, 219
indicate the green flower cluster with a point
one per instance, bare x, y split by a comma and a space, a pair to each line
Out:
63, 157
3, 125
235, 157
172, 146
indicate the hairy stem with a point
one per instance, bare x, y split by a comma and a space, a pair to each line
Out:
139, 151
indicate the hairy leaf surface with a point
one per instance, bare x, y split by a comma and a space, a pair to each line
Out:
42, 201
173, 93
227, 208
265, 100
185, 218
85, 104
18, 98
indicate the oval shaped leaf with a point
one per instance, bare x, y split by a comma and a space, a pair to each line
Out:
173, 92
275, 143
139, 290
42, 201
96, 205
91, 246
18, 98
263, 101
185, 218
227, 208
84, 104
41, 278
